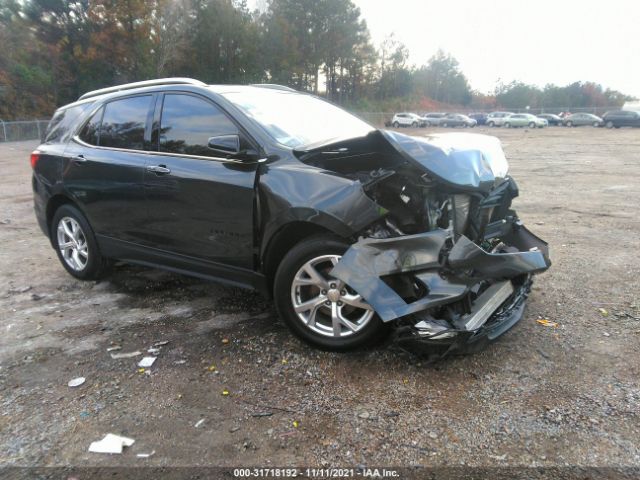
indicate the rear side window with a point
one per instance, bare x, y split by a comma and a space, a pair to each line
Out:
61, 123
89, 133
123, 123
188, 122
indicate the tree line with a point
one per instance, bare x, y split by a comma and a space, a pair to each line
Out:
55, 50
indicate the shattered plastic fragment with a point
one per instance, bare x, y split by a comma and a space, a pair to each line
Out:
225, 392
547, 323
154, 351
76, 382
161, 343
146, 455
111, 444
225, 341
603, 312
199, 423
114, 348
146, 362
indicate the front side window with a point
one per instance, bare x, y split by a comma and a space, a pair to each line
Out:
187, 124
124, 122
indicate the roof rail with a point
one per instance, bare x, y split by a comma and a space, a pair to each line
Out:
273, 86
145, 83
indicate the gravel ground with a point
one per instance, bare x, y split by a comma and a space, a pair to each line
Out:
541, 396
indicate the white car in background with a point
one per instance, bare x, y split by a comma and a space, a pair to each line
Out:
496, 119
407, 120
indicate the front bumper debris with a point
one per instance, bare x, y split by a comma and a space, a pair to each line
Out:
447, 271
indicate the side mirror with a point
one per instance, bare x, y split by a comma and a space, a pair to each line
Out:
226, 144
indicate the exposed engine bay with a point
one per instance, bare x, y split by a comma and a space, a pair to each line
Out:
448, 261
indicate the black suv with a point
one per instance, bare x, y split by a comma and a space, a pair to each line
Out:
621, 118
349, 228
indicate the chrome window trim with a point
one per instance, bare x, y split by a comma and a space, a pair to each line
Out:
163, 154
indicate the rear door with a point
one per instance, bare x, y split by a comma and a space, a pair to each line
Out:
104, 167
200, 203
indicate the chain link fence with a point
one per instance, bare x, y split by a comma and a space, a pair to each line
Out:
22, 130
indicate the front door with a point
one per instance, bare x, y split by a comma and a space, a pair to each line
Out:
200, 203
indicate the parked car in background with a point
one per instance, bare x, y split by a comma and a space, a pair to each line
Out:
433, 119
621, 118
524, 120
407, 120
496, 119
551, 118
580, 119
481, 118
457, 120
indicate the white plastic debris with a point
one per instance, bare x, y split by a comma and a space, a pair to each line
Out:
111, 444
199, 423
116, 356
76, 382
154, 351
145, 455
115, 348
146, 362
161, 343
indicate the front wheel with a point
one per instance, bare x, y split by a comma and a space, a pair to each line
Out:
414, 125
318, 308
445, 124
569, 124
532, 125
76, 245
508, 125
596, 124
396, 124
609, 124
491, 124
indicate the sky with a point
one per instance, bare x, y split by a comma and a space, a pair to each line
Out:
535, 41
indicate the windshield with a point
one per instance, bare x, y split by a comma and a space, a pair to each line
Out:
294, 119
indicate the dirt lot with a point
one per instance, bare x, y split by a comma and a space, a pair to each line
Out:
541, 396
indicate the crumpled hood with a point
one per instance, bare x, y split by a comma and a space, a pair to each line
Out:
467, 160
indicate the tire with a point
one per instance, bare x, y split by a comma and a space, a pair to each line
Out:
414, 125
317, 254
445, 124
82, 258
569, 124
532, 124
491, 124
507, 125
596, 124
609, 124
396, 125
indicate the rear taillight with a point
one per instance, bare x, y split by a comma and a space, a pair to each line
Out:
35, 156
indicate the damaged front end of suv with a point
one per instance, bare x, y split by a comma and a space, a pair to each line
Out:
448, 261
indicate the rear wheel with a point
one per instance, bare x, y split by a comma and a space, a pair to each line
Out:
76, 245
596, 124
569, 124
532, 124
396, 124
491, 124
609, 124
414, 124
317, 307
507, 124
445, 124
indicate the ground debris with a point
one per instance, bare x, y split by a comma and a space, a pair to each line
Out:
117, 356
110, 444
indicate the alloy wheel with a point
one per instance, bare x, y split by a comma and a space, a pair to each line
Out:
326, 305
72, 243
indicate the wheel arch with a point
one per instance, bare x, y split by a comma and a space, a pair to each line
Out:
54, 203
285, 238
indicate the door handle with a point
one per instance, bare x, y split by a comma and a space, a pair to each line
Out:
78, 159
158, 169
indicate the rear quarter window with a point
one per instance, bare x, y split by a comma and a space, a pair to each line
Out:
62, 122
